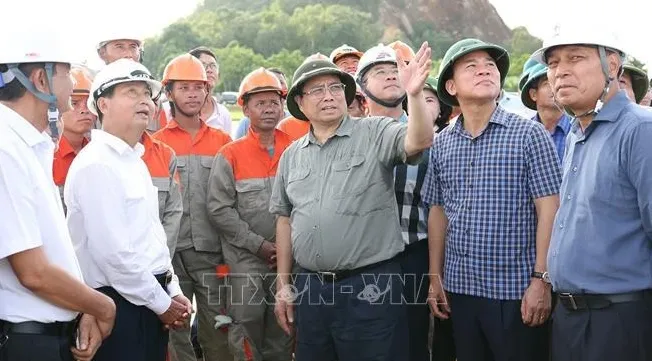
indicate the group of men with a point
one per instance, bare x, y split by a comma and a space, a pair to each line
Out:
353, 204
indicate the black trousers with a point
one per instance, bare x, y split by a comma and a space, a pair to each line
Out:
138, 334
21, 347
493, 330
622, 331
443, 344
414, 265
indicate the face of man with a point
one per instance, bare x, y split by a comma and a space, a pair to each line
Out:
542, 94
476, 78
357, 109
264, 110
188, 97
625, 83
323, 99
130, 108
382, 81
78, 120
120, 49
432, 104
348, 63
212, 69
575, 75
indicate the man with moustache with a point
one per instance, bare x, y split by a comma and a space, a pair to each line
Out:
240, 186
198, 250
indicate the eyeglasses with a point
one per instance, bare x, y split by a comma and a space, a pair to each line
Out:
210, 66
337, 90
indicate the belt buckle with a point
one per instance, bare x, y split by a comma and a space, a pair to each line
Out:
332, 275
168, 278
3, 340
572, 300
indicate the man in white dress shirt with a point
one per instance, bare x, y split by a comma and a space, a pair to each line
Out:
41, 288
114, 223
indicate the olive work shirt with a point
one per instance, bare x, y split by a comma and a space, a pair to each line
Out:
340, 195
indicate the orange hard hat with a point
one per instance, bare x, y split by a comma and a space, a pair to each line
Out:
403, 51
82, 82
258, 81
184, 67
345, 50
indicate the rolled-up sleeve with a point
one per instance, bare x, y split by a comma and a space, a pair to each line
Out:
279, 202
221, 204
109, 241
17, 208
543, 169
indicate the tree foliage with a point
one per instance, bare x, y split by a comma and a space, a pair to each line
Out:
248, 34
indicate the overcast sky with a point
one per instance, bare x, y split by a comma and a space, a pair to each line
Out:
145, 18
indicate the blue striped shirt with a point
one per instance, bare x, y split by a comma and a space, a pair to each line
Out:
487, 186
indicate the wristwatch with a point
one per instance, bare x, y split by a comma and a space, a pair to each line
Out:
544, 276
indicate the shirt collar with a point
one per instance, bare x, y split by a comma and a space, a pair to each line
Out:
499, 116
343, 130
117, 144
65, 148
24, 129
564, 122
611, 109
254, 137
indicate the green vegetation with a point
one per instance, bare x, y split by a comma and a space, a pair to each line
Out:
281, 33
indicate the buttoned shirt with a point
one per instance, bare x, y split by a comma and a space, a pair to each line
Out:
117, 234
487, 186
194, 162
340, 195
559, 134
602, 236
32, 216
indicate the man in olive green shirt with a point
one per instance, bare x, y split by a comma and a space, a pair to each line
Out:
337, 216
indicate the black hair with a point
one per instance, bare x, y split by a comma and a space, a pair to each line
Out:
198, 51
15, 89
108, 93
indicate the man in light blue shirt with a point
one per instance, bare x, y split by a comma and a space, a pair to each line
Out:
600, 256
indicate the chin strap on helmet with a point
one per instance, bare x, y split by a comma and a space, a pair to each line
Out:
51, 99
388, 104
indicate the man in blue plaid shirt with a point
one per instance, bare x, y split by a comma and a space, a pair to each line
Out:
492, 184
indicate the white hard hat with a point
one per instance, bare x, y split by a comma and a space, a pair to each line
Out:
120, 71
587, 32
379, 54
32, 47
118, 33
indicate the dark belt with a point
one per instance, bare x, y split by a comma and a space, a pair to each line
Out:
37, 328
334, 276
575, 302
164, 279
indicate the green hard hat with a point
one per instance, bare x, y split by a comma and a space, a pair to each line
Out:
535, 73
640, 82
431, 83
310, 69
460, 49
529, 64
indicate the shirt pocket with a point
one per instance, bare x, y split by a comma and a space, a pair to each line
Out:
299, 190
136, 206
205, 167
251, 195
347, 177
